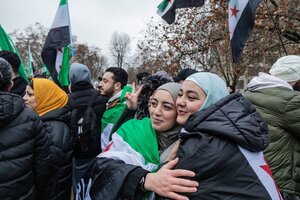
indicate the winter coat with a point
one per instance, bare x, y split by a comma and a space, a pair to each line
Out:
24, 151
223, 145
280, 107
83, 94
56, 125
19, 86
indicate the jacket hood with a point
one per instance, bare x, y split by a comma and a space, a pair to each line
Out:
234, 119
10, 107
264, 80
61, 114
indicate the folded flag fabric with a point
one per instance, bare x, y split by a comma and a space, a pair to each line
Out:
56, 53
241, 16
167, 8
7, 44
128, 144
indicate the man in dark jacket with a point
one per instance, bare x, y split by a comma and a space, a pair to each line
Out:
24, 147
279, 105
20, 83
81, 92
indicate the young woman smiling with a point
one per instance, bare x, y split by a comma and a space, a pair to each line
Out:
137, 147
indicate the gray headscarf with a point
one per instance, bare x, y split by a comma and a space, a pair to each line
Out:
79, 73
166, 138
172, 88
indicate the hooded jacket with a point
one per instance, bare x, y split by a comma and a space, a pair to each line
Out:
222, 144
279, 105
24, 151
56, 125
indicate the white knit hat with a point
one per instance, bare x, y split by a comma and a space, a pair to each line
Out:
287, 68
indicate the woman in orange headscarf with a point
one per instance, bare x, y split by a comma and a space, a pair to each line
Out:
50, 102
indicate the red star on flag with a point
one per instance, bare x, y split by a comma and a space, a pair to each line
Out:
234, 11
268, 170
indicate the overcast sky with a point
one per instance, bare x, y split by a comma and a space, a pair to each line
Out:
92, 21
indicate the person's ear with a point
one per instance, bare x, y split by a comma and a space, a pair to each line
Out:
10, 85
118, 86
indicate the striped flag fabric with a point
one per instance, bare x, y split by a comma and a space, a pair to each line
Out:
167, 8
56, 50
241, 17
30, 63
7, 44
127, 144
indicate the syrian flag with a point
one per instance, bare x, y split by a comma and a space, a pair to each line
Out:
56, 50
167, 8
241, 16
7, 44
30, 64
128, 144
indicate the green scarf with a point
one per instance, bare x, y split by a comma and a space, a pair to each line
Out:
111, 115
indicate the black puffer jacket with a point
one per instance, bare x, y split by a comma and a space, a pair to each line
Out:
24, 151
56, 125
82, 94
223, 147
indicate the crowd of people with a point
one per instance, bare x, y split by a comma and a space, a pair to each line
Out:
185, 137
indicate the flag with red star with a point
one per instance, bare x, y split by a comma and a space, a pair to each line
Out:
56, 53
167, 8
241, 16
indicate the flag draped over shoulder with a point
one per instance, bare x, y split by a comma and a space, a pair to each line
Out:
135, 143
241, 16
7, 44
56, 53
167, 8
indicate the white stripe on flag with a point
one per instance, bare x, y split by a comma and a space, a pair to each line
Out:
257, 161
59, 59
240, 6
62, 17
121, 150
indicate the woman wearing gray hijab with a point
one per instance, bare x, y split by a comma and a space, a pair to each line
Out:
137, 147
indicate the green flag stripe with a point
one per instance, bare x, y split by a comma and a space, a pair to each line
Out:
163, 5
63, 76
62, 2
7, 44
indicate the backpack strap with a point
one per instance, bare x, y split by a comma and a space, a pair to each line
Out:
71, 103
93, 99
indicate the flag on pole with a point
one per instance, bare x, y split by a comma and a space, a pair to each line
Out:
30, 64
56, 53
45, 71
167, 8
241, 16
7, 44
